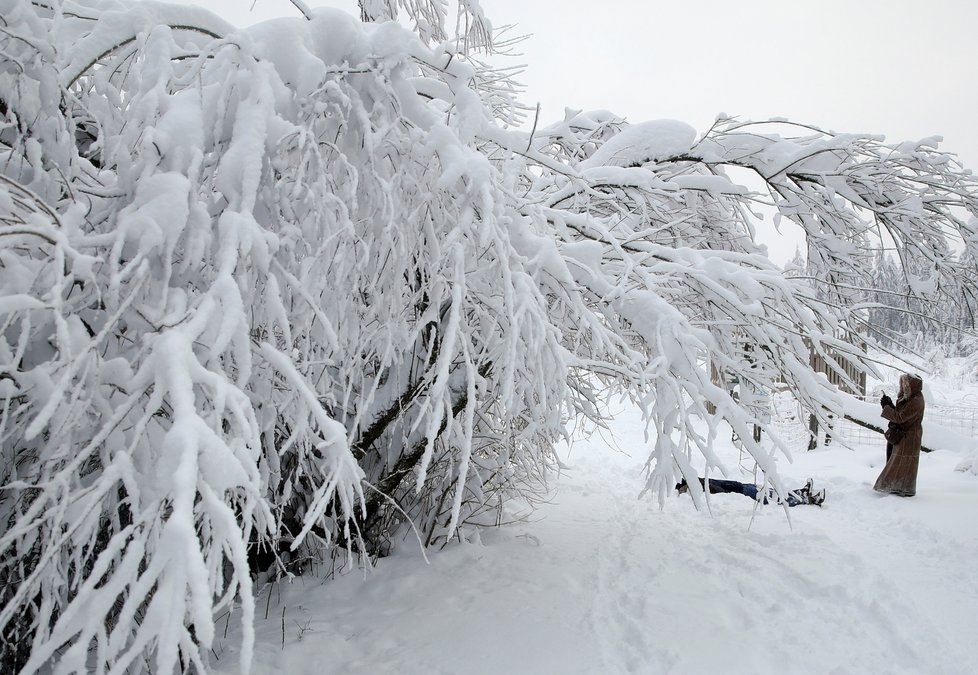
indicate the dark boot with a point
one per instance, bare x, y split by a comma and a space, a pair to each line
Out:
805, 493
817, 497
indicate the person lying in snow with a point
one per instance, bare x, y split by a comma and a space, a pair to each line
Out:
803, 495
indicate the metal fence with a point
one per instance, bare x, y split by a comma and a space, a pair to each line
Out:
959, 419
791, 424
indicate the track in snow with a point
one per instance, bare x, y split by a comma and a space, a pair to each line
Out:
602, 582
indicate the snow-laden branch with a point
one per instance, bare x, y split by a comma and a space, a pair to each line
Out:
853, 194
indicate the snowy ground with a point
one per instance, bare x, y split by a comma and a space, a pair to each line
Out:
601, 582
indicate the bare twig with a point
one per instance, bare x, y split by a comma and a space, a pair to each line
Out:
536, 118
303, 8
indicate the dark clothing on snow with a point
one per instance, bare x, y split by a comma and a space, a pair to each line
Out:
794, 498
750, 490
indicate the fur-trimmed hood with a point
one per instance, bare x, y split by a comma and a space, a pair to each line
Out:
910, 385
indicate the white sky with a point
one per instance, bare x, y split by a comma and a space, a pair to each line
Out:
905, 69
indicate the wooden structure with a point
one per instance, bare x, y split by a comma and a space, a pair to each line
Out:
852, 371
847, 375
851, 380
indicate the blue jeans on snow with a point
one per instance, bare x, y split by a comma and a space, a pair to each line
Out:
750, 490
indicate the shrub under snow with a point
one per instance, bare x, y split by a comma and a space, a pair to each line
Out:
267, 295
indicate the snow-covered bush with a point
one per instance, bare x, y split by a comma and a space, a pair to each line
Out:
266, 294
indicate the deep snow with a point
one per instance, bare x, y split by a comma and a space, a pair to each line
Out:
599, 581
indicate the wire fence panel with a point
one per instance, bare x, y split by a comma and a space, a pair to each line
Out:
961, 419
791, 424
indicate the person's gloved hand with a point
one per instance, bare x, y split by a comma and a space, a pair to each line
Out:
885, 400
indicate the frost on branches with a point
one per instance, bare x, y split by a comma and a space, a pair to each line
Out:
272, 295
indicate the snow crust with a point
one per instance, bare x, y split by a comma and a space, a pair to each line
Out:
600, 582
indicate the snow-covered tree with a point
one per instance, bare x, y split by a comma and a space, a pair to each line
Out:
904, 321
272, 294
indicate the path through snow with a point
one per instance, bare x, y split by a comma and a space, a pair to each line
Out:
602, 582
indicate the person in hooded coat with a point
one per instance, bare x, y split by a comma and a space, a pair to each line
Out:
899, 476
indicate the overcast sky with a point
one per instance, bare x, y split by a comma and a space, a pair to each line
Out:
905, 69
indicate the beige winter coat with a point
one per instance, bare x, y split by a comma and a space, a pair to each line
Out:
899, 476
